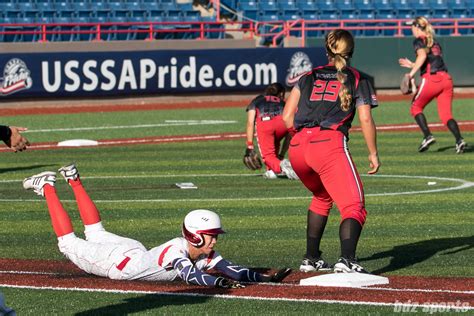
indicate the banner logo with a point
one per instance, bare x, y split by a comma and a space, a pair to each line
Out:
299, 65
16, 77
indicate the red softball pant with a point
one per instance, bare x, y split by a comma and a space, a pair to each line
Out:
269, 135
439, 86
323, 163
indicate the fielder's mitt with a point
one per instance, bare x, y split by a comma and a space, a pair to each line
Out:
405, 85
251, 159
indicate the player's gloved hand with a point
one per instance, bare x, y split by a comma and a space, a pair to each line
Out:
224, 283
276, 277
251, 159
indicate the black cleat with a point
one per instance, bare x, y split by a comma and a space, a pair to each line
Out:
460, 146
426, 143
313, 265
348, 266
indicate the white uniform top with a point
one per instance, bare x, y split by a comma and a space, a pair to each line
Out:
120, 258
156, 264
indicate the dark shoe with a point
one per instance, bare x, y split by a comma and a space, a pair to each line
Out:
426, 143
460, 146
348, 266
313, 265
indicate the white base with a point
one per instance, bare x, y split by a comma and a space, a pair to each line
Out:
78, 143
353, 279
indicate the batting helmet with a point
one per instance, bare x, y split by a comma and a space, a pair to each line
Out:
199, 222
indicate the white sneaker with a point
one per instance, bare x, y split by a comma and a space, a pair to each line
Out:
269, 174
38, 181
69, 172
287, 170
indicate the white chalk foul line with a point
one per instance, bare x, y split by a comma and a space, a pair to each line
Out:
463, 184
167, 123
226, 296
271, 284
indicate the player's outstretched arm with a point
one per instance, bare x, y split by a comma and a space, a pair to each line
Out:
244, 274
191, 275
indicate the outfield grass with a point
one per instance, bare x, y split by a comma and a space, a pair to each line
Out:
425, 234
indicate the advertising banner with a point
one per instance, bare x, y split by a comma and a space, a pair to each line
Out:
86, 74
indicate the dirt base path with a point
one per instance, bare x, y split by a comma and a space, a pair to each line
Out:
413, 291
144, 103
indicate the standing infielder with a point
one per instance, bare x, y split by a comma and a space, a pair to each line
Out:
321, 108
109, 255
435, 83
264, 114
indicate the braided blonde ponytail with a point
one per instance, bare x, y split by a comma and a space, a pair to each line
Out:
339, 46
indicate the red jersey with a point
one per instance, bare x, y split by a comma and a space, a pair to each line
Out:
319, 103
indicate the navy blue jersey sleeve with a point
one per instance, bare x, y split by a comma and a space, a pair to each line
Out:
191, 275
253, 104
237, 272
365, 94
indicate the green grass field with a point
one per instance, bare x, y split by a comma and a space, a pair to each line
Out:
407, 233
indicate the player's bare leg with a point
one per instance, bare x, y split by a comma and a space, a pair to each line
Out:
43, 184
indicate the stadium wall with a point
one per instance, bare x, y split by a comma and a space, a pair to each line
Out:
379, 58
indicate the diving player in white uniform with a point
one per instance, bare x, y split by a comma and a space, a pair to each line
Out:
108, 255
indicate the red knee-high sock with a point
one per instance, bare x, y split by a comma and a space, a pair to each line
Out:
87, 209
59, 218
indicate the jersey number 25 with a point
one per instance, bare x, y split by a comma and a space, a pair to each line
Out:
325, 90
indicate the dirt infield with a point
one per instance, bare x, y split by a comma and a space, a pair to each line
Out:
38, 107
63, 275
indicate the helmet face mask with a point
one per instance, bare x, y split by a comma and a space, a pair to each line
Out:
198, 223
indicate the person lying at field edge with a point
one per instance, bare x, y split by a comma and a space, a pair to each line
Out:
108, 255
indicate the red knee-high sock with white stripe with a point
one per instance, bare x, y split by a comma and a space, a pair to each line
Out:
59, 218
87, 209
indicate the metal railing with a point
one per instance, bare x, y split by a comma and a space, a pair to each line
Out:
43, 32
202, 30
398, 27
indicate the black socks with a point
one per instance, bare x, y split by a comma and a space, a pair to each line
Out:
314, 233
421, 121
349, 233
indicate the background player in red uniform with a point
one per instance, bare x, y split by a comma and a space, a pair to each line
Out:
108, 255
435, 83
321, 108
264, 114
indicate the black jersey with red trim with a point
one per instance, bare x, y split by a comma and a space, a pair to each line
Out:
267, 106
319, 103
434, 61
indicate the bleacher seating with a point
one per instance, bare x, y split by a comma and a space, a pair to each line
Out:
122, 11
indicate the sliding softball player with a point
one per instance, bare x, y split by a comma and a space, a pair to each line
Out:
108, 255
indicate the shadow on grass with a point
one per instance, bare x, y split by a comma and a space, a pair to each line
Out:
143, 303
468, 149
5, 170
407, 255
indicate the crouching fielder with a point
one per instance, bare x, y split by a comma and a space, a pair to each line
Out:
108, 255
